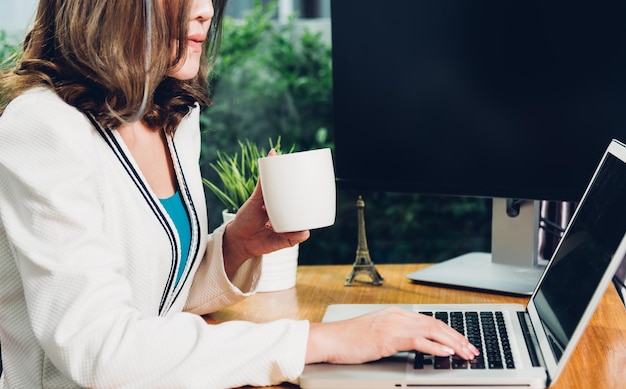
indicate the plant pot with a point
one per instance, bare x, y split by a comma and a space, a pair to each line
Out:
278, 269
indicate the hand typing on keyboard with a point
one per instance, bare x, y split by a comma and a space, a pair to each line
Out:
384, 333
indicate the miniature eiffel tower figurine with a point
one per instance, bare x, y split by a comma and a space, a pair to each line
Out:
363, 262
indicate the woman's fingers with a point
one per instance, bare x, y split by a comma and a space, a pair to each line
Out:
444, 345
436, 337
296, 237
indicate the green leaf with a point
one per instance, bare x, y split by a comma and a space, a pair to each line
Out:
238, 173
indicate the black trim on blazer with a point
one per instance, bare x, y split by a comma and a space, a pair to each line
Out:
109, 138
189, 205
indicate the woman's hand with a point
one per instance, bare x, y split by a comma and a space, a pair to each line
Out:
381, 334
250, 234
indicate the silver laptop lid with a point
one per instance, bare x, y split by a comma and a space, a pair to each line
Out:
583, 264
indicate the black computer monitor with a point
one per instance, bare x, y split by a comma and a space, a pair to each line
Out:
514, 100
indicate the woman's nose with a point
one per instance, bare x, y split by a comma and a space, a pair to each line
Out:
202, 10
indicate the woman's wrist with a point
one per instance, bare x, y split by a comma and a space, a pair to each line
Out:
315, 344
232, 250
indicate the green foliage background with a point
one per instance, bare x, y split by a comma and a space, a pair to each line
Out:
8, 48
275, 80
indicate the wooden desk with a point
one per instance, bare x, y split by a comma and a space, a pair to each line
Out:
598, 362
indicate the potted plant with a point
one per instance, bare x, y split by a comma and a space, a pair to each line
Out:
238, 175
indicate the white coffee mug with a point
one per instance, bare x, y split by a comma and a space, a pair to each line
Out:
299, 190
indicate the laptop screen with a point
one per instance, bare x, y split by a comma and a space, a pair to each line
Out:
584, 255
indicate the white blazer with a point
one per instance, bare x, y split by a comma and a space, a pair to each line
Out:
88, 258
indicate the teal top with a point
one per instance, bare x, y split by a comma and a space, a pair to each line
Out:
178, 213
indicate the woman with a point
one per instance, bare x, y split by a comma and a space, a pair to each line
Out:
105, 259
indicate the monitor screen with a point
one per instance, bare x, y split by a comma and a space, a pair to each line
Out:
488, 98
512, 100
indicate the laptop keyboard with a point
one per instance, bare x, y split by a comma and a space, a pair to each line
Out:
485, 330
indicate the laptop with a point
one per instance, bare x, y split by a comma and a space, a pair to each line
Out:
536, 340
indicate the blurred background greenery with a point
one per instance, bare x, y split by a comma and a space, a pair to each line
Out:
9, 47
275, 79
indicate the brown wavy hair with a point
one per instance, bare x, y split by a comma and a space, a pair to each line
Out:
92, 54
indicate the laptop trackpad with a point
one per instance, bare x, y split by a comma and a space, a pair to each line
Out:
383, 371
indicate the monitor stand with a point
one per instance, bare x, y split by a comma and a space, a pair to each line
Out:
512, 267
